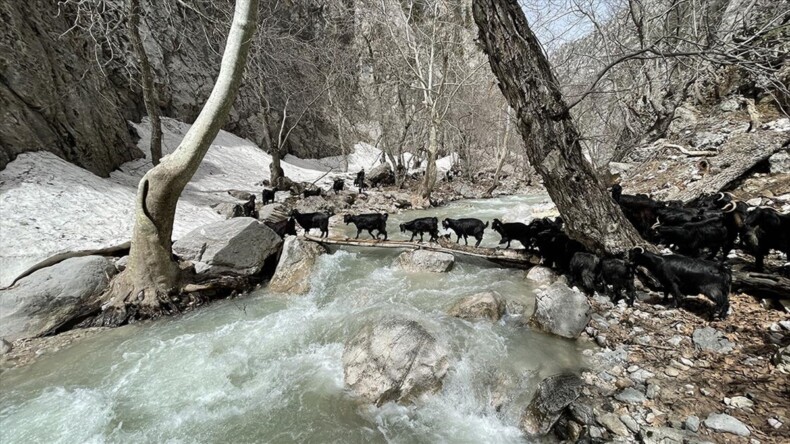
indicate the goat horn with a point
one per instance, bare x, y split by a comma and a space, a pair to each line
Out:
720, 196
729, 208
640, 250
731, 195
655, 225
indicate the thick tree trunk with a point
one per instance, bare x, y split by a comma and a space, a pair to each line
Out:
143, 290
146, 81
276, 172
430, 170
550, 136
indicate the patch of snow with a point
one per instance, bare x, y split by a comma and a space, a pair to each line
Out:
53, 209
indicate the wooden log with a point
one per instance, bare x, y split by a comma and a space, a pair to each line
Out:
763, 285
509, 257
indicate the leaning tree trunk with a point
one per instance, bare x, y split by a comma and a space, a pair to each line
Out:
550, 136
147, 81
143, 289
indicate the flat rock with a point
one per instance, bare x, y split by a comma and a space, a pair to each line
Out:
486, 305
425, 261
238, 246
692, 423
722, 422
561, 311
394, 360
613, 424
553, 395
631, 396
712, 340
295, 266
51, 297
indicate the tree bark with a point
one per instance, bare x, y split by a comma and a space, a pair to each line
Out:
143, 290
146, 81
550, 136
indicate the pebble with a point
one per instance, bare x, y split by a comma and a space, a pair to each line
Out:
653, 391
675, 340
687, 362
606, 377
623, 383
721, 422
690, 389
705, 391
774, 327
692, 423
650, 418
595, 432
785, 324
631, 396
672, 372
703, 363
739, 402
678, 365
773, 422
644, 340
631, 423
633, 368
601, 340
642, 375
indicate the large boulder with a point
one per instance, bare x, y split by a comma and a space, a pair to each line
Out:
553, 395
381, 174
296, 264
561, 310
485, 305
424, 260
49, 298
393, 360
541, 275
316, 204
238, 246
273, 212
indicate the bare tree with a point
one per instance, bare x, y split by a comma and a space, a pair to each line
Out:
146, 81
551, 138
151, 276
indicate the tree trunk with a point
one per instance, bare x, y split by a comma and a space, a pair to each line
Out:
502, 151
430, 169
143, 290
146, 81
276, 172
550, 136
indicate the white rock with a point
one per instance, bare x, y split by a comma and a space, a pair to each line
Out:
425, 261
296, 263
721, 422
486, 305
561, 311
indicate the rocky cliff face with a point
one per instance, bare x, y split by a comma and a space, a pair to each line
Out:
55, 97
52, 95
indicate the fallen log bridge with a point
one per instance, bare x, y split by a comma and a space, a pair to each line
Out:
508, 257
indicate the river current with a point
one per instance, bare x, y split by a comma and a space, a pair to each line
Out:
267, 368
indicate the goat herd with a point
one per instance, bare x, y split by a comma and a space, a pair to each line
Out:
699, 231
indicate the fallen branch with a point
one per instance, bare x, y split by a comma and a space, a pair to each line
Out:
690, 152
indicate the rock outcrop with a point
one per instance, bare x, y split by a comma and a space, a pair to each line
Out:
424, 260
394, 360
52, 297
238, 246
296, 263
541, 275
561, 310
486, 305
553, 395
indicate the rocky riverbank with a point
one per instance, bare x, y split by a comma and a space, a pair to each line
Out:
669, 375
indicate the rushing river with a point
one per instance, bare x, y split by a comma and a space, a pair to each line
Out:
265, 368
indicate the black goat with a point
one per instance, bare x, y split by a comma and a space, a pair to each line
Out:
369, 222
681, 276
620, 275
693, 238
308, 221
557, 249
267, 196
338, 185
248, 209
316, 192
285, 227
583, 270
360, 180
422, 225
465, 228
640, 210
765, 230
512, 231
